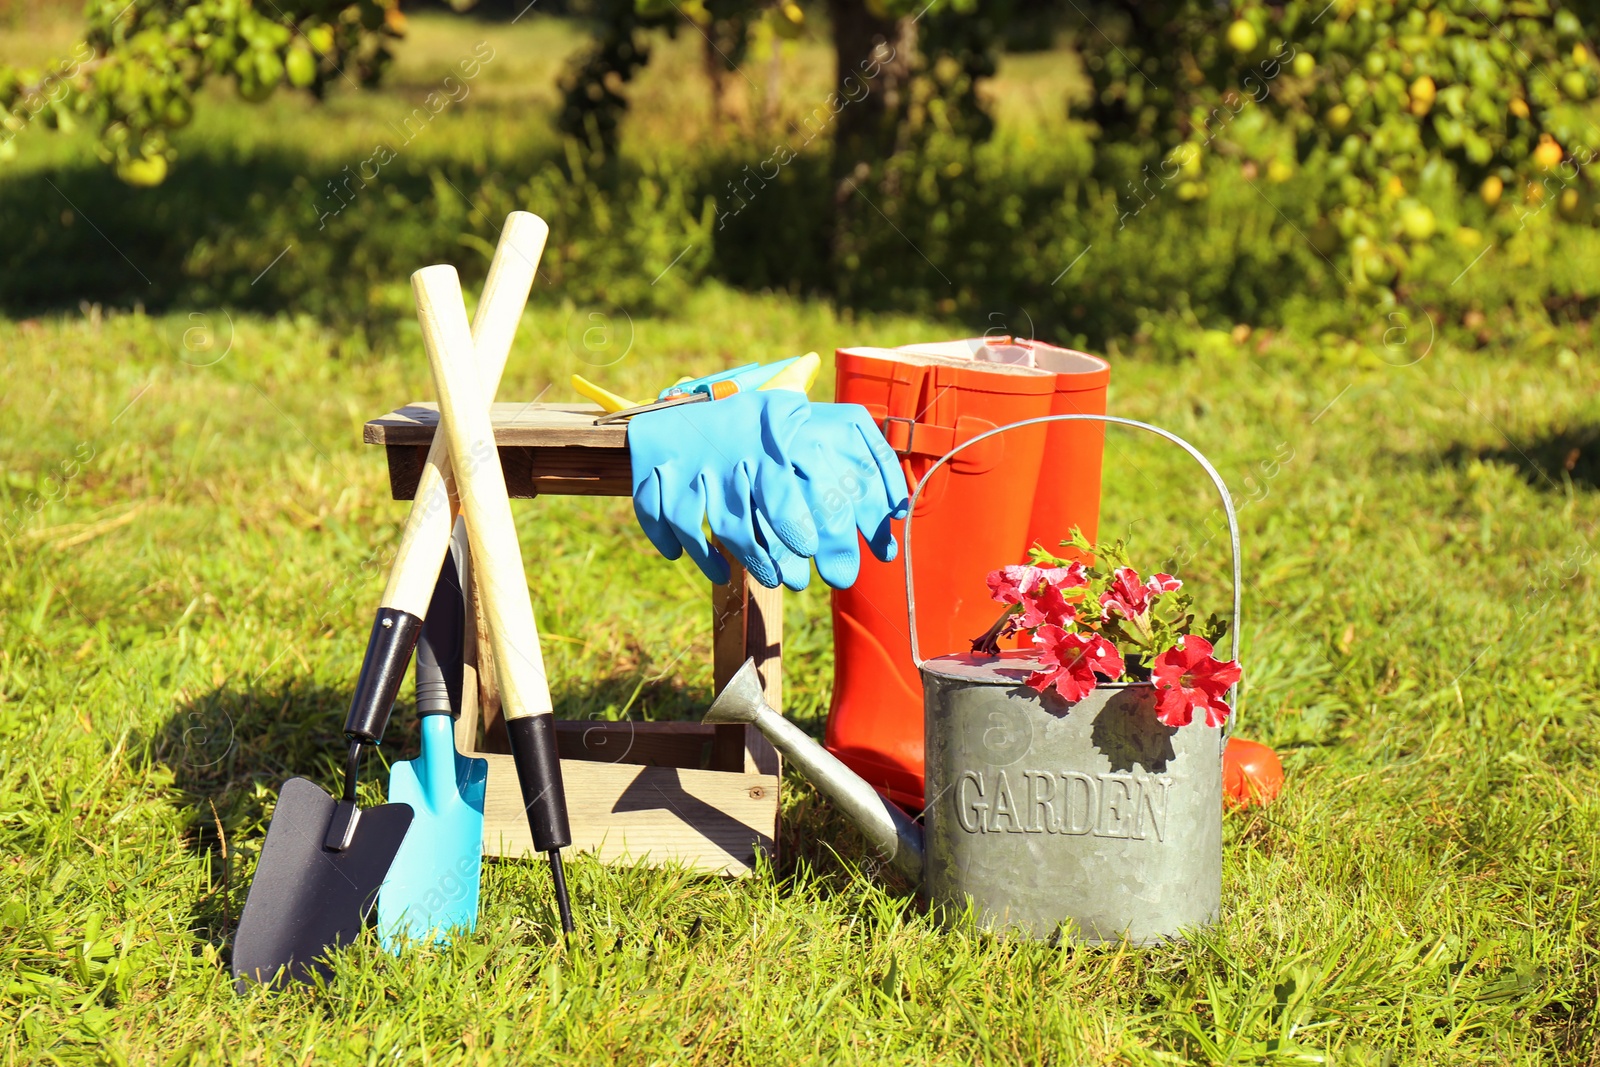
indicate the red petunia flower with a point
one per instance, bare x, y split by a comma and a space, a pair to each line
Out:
1009, 585
1072, 660
1191, 681
1131, 599
1125, 597
1163, 583
1050, 607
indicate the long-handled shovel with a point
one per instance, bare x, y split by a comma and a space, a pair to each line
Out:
497, 565
324, 860
432, 886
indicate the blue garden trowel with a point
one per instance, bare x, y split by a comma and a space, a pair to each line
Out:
432, 888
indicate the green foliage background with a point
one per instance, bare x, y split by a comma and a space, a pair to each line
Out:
135, 75
1399, 109
1218, 164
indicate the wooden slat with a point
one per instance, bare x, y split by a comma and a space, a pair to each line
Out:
531, 425
564, 470
709, 821
568, 470
746, 622
644, 744
470, 721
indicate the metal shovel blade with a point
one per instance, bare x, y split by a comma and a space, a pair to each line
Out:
307, 899
432, 887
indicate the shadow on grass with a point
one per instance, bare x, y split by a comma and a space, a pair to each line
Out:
223, 231
234, 741
640, 696
278, 232
1547, 461
230, 750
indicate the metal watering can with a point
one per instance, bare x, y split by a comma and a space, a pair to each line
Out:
1044, 818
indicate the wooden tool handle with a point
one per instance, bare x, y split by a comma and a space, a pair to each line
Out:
426, 538
496, 554
497, 563
433, 511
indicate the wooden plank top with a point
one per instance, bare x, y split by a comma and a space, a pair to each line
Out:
536, 425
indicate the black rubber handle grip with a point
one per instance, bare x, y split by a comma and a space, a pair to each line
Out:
439, 650
533, 750
394, 636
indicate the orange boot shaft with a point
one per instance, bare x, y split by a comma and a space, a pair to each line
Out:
986, 508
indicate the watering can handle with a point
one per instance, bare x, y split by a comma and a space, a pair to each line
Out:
1205, 464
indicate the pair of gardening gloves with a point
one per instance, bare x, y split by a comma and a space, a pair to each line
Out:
778, 480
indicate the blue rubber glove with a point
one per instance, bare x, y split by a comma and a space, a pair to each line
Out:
852, 481
794, 571
726, 463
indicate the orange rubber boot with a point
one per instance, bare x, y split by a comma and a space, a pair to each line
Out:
1068, 493
1069, 480
984, 509
973, 518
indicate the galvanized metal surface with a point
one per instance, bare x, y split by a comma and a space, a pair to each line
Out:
1043, 815
1205, 464
889, 830
1044, 818
1092, 819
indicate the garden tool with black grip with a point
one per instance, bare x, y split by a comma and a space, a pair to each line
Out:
432, 888
498, 576
324, 859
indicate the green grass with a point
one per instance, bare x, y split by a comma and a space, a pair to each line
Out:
181, 626
192, 554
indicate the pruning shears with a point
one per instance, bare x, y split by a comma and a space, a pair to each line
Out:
796, 372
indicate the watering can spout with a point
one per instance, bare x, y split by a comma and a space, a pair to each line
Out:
889, 830
741, 700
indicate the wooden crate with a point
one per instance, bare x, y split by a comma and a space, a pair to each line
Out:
683, 793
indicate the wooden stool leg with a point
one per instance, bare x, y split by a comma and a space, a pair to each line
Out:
469, 721
747, 623
488, 726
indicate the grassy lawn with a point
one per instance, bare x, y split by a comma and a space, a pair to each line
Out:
189, 579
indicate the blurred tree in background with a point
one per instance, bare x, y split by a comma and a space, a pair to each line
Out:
136, 73
1228, 155
1397, 105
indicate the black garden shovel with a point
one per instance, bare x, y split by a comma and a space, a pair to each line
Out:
324, 860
